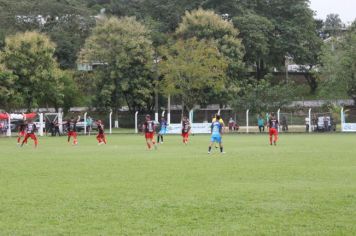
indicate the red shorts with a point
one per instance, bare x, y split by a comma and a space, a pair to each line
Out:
32, 136
72, 134
185, 135
273, 131
102, 136
149, 135
22, 134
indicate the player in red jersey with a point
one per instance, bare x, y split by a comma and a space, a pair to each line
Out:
72, 130
101, 136
22, 133
185, 129
30, 133
273, 129
149, 130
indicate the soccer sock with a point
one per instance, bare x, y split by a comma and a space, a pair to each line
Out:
18, 139
157, 138
221, 149
270, 139
36, 142
162, 138
209, 148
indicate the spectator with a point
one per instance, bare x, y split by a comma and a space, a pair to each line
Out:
284, 124
326, 123
307, 124
89, 124
261, 123
56, 128
231, 124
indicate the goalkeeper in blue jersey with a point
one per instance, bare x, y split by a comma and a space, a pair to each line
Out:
216, 133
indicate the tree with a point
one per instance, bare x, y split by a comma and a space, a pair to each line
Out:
30, 57
124, 52
261, 95
333, 24
69, 33
255, 33
192, 69
207, 25
9, 96
339, 66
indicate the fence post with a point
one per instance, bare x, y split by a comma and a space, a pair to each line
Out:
310, 121
247, 128
85, 123
342, 116
219, 111
8, 133
110, 122
169, 110
136, 125
191, 116
278, 117
41, 125
163, 112
60, 122
156, 116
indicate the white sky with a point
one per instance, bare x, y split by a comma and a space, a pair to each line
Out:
345, 8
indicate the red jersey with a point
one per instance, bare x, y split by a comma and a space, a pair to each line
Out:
273, 123
149, 126
31, 128
185, 126
101, 128
71, 126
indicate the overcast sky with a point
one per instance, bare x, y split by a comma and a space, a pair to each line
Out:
345, 8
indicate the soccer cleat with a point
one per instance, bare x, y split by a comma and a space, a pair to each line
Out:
223, 152
209, 152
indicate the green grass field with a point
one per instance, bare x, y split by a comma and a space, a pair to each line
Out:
304, 186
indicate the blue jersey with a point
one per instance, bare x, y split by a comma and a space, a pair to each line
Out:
216, 128
163, 129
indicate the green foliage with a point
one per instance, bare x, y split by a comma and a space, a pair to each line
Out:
333, 24
339, 66
29, 57
207, 25
69, 33
192, 69
124, 52
10, 98
255, 33
260, 95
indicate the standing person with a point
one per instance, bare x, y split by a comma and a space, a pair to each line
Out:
21, 133
231, 124
72, 130
216, 133
89, 124
149, 130
261, 123
284, 124
56, 128
273, 129
162, 131
101, 136
185, 129
30, 133
307, 124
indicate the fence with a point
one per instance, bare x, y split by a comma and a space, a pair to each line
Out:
311, 120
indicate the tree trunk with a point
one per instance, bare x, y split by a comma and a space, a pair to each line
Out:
312, 82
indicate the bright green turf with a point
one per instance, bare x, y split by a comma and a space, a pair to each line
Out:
304, 186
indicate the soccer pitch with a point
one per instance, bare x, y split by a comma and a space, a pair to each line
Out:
304, 186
